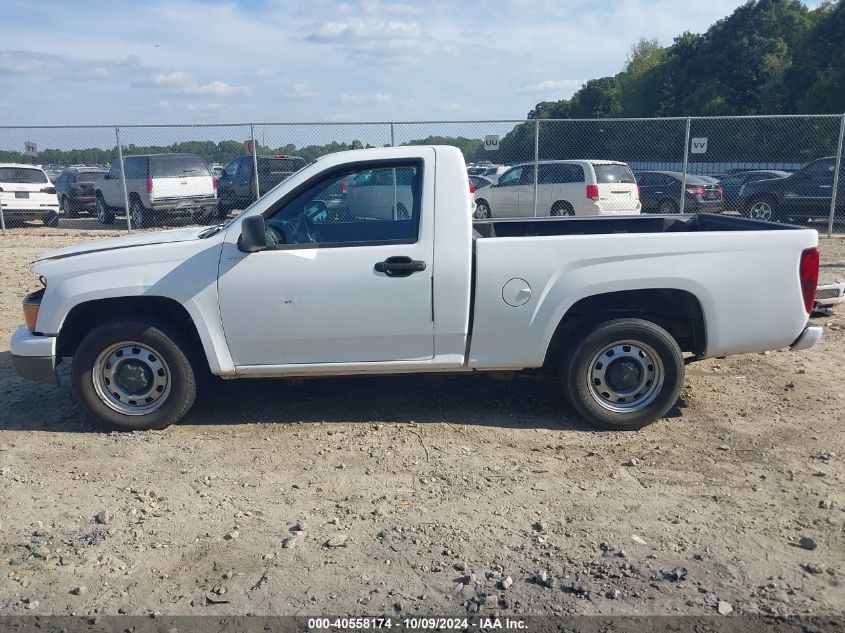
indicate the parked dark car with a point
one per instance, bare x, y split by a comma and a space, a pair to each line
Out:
805, 194
75, 188
660, 192
732, 185
236, 187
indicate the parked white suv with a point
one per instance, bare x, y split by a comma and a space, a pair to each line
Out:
564, 187
27, 194
158, 185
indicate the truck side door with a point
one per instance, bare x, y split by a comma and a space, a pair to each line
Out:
244, 191
340, 282
112, 186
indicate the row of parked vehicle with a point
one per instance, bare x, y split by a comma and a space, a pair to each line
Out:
596, 187
158, 186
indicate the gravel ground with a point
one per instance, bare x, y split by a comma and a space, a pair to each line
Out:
421, 495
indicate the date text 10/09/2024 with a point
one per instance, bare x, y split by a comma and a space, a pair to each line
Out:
375, 623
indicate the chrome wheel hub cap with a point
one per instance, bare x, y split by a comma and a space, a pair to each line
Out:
625, 376
131, 378
761, 211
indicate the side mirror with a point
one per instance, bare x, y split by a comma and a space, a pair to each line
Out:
253, 238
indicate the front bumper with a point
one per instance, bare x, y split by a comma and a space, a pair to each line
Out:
34, 356
809, 337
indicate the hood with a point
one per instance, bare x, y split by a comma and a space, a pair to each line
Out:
129, 241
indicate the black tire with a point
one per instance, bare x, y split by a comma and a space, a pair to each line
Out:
104, 214
667, 206
69, 208
561, 208
582, 361
139, 215
171, 352
482, 210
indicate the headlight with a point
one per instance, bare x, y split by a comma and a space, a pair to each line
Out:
31, 305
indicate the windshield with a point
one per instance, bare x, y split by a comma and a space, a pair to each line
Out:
22, 175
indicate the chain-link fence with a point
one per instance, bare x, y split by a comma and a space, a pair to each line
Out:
781, 168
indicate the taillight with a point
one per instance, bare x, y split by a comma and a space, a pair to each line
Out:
720, 191
808, 273
48, 190
638, 192
593, 192
214, 182
695, 191
149, 185
471, 188
343, 186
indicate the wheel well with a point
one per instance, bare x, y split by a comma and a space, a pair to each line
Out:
88, 315
677, 311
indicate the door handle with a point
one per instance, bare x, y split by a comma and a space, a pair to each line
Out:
399, 266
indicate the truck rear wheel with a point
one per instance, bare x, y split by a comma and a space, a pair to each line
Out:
623, 374
133, 375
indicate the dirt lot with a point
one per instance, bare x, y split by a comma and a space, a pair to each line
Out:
428, 494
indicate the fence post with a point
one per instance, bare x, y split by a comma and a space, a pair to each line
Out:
686, 162
2, 218
536, 159
254, 159
836, 177
123, 179
392, 137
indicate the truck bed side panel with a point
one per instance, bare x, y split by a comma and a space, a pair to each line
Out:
746, 282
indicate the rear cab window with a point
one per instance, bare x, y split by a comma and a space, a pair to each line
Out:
177, 166
614, 174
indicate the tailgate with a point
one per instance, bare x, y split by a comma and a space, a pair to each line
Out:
185, 187
618, 191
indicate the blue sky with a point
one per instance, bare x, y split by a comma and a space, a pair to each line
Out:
316, 60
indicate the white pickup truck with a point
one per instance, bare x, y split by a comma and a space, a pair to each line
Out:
308, 283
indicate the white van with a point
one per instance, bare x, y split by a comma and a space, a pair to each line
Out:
27, 194
564, 187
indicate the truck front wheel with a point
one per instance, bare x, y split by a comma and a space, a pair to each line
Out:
133, 375
623, 374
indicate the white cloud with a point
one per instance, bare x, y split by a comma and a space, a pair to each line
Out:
450, 106
557, 88
183, 83
303, 91
360, 99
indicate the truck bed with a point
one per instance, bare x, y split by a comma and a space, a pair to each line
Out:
687, 223
746, 285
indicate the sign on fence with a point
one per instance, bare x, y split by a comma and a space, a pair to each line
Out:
699, 145
30, 148
248, 147
491, 142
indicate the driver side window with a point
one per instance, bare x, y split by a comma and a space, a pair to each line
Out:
511, 178
365, 206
